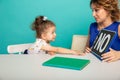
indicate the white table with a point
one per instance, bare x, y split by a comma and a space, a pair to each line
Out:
29, 67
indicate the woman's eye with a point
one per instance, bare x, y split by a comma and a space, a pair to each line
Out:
96, 10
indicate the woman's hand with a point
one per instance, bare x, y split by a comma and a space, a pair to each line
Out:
87, 50
111, 56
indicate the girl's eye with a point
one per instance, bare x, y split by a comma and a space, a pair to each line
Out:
53, 32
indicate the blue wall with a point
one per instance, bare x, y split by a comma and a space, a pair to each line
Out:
16, 16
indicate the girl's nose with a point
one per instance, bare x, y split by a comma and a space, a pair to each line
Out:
55, 34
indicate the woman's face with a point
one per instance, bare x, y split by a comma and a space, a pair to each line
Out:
99, 13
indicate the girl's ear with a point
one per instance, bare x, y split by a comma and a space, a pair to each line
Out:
43, 35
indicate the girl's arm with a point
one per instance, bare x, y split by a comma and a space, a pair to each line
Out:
59, 50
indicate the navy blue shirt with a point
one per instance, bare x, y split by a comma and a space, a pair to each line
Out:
94, 32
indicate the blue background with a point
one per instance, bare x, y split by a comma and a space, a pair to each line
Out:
16, 16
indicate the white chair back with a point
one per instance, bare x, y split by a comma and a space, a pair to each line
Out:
18, 48
79, 42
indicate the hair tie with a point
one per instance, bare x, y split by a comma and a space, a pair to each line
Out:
44, 18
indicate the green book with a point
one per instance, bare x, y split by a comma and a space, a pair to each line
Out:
69, 63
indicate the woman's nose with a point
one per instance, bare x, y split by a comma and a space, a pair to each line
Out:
93, 13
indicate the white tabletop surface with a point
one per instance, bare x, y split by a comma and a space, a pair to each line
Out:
29, 67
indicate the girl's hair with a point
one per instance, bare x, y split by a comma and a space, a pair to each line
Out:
41, 24
111, 6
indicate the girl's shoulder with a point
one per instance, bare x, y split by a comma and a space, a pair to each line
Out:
40, 42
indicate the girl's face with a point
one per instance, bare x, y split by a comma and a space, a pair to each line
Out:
50, 34
100, 14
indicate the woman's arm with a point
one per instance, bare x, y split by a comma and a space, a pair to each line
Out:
119, 31
87, 49
87, 44
112, 55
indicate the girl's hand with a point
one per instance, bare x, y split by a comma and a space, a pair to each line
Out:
111, 56
51, 53
87, 50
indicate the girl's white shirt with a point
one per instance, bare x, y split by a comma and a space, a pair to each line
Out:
35, 48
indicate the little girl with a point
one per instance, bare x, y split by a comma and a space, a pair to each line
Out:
45, 33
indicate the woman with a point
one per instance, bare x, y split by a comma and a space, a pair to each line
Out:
107, 15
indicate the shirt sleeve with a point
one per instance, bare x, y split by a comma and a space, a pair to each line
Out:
36, 47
